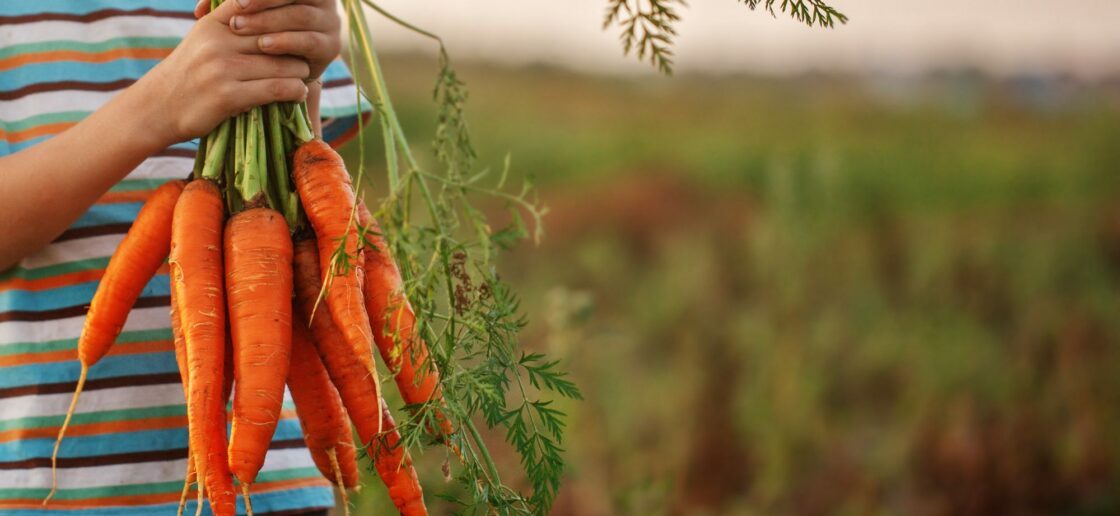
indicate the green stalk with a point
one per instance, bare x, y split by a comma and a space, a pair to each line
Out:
278, 151
249, 181
267, 184
382, 89
481, 449
200, 157
217, 144
297, 122
380, 96
233, 198
238, 153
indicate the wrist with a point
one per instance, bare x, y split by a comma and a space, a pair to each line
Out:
146, 116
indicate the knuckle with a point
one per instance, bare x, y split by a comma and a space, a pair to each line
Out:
333, 45
306, 43
276, 89
212, 72
235, 62
310, 16
285, 89
226, 96
207, 47
278, 66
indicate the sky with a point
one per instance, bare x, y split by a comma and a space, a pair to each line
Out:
1003, 37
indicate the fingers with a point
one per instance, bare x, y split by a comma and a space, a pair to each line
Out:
316, 46
257, 67
265, 91
284, 19
253, 6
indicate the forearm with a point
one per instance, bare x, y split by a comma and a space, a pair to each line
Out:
45, 188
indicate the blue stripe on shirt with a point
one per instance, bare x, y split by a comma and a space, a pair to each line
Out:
27, 7
120, 442
71, 295
109, 71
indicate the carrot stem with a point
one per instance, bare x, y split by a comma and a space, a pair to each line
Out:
299, 123
278, 152
216, 145
481, 446
200, 157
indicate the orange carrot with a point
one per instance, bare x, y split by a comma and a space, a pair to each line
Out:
133, 264
328, 197
393, 320
326, 429
184, 376
227, 387
367, 411
395, 468
348, 368
180, 344
258, 253
196, 279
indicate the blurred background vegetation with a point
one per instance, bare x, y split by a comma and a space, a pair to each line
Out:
812, 295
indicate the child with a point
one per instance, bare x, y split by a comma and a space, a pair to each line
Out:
96, 111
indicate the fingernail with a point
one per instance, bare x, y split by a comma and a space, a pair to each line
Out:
242, 3
236, 22
266, 41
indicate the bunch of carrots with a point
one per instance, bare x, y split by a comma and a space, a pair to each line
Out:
279, 277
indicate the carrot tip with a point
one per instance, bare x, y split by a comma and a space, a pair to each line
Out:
248, 501
201, 489
339, 481
62, 433
186, 489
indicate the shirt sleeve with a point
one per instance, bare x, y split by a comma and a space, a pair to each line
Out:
340, 104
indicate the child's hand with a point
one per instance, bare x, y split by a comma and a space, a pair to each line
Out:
302, 28
217, 71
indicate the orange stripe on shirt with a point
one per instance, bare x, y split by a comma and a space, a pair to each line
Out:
50, 56
35, 132
105, 427
59, 281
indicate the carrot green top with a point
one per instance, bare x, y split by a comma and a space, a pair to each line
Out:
126, 450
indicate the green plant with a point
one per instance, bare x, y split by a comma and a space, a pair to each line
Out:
649, 26
446, 248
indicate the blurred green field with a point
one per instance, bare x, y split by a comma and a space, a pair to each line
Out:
816, 295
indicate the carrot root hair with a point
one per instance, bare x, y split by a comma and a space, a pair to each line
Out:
201, 494
248, 501
187, 481
339, 481
62, 433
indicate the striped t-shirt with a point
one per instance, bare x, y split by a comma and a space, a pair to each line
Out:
125, 452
